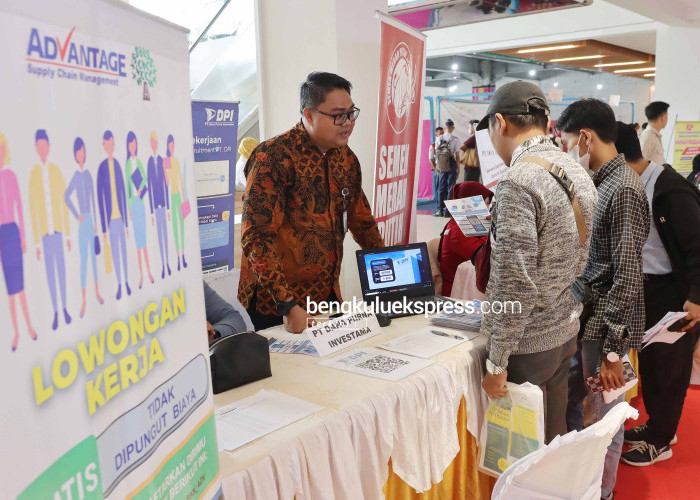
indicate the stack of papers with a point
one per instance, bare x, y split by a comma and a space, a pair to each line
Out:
258, 415
461, 321
471, 215
427, 342
660, 333
299, 345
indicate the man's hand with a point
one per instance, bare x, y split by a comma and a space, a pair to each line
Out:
495, 385
153, 220
38, 253
296, 321
210, 332
68, 243
693, 311
611, 375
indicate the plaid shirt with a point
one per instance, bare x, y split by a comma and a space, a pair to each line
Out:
614, 267
292, 231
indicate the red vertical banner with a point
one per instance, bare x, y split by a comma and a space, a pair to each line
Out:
402, 66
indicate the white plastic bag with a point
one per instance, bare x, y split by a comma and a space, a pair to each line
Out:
513, 428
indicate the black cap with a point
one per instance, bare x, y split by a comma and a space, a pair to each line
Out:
514, 98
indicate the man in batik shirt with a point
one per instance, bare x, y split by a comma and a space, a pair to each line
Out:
303, 193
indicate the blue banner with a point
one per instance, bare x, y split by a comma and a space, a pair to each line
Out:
215, 130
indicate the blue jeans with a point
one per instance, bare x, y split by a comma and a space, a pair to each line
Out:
436, 178
55, 267
118, 242
446, 181
86, 240
591, 352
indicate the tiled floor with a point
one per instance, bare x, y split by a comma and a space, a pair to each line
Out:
429, 226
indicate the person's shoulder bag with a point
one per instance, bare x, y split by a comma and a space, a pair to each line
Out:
482, 256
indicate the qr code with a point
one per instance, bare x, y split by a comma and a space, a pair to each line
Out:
383, 364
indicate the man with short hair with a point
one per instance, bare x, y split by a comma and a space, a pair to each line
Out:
671, 263
614, 320
303, 193
539, 243
447, 144
49, 214
650, 140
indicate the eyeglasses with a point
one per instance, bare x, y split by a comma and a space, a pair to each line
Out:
340, 118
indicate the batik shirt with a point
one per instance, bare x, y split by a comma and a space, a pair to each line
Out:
292, 229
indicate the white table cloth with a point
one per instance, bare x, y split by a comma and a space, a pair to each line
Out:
343, 451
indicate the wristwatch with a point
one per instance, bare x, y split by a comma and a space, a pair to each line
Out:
493, 369
283, 308
613, 357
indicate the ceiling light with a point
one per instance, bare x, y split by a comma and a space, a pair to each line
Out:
650, 74
608, 65
532, 72
452, 88
454, 67
579, 58
599, 86
545, 49
556, 84
635, 70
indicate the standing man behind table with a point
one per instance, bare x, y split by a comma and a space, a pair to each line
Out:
614, 321
650, 140
536, 253
431, 157
303, 192
447, 145
671, 259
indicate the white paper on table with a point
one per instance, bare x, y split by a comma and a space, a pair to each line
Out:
425, 343
660, 333
470, 214
377, 363
258, 415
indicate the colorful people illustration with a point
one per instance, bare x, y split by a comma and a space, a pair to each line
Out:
81, 183
174, 178
136, 187
49, 215
12, 242
111, 199
159, 200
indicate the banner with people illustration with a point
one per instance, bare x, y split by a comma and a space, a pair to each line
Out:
401, 82
103, 350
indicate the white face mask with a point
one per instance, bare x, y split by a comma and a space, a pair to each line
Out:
584, 160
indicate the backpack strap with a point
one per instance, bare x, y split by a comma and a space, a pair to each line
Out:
560, 175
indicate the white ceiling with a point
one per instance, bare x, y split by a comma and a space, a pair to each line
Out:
673, 12
643, 41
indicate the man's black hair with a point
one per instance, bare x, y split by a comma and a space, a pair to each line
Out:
655, 109
645, 125
589, 113
536, 118
439, 128
627, 142
473, 122
317, 86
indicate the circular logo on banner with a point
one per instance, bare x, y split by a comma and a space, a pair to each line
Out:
400, 87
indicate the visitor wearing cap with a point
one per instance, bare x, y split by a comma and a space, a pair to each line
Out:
303, 193
613, 279
447, 179
538, 247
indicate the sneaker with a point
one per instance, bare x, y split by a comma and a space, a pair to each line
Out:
439, 213
636, 435
639, 434
643, 454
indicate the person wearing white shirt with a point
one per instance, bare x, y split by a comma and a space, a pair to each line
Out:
650, 140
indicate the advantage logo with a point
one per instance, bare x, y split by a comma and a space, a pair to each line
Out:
51, 56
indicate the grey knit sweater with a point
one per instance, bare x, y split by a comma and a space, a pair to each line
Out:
535, 253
